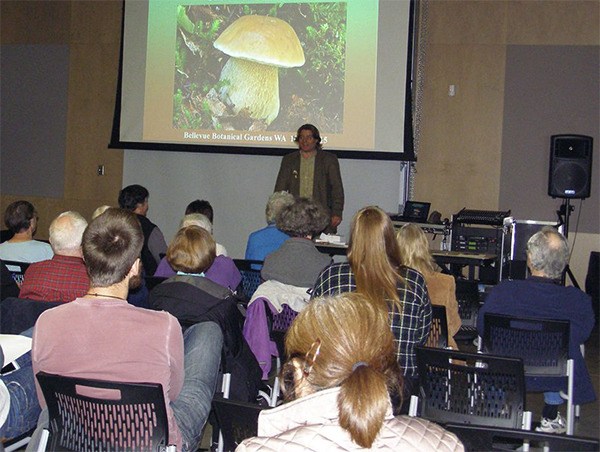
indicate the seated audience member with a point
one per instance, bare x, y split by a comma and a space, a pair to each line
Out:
222, 271
193, 298
375, 269
135, 199
19, 407
542, 296
203, 207
137, 296
268, 239
298, 262
337, 383
21, 218
64, 277
414, 252
109, 339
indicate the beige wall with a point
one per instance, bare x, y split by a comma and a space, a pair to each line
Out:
584, 243
92, 31
464, 44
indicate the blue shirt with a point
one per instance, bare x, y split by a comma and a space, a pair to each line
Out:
264, 242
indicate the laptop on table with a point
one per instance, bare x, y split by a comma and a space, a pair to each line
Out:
414, 212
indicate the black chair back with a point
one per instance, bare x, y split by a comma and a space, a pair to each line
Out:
90, 414
237, 420
8, 286
20, 314
478, 438
543, 345
438, 335
279, 324
467, 296
17, 269
470, 388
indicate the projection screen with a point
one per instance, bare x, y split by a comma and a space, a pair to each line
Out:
232, 77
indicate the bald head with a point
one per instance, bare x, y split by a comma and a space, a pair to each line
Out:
547, 253
66, 232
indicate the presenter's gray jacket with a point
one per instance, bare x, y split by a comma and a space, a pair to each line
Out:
327, 189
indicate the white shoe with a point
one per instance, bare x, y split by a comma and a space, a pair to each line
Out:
557, 425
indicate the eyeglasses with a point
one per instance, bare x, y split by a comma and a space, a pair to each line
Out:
311, 357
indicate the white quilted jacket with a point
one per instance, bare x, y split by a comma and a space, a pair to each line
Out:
311, 424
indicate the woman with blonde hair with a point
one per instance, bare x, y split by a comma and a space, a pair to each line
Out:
375, 269
191, 297
342, 367
414, 250
222, 270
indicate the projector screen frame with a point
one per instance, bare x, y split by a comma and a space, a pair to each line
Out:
407, 155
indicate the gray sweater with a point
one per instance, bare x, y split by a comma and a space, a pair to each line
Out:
297, 262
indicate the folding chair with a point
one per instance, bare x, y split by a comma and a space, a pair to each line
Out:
467, 296
543, 345
281, 322
438, 335
20, 314
470, 388
16, 269
8, 286
250, 271
17, 443
88, 414
478, 438
236, 420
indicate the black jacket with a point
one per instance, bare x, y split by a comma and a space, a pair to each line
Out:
194, 299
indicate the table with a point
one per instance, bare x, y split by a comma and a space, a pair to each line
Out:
442, 258
463, 259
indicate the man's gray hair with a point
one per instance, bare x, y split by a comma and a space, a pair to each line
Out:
276, 203
548, 252
196, 219
66, 231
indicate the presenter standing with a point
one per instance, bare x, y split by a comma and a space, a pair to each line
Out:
313, 173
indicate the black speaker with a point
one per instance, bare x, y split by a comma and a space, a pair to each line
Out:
570, 166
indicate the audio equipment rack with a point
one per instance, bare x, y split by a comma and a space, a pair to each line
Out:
482, 232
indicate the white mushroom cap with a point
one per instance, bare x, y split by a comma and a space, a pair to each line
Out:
262, 39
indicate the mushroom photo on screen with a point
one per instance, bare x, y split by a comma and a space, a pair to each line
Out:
258, 46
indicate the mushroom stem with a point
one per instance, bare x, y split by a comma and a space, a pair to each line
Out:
253, 86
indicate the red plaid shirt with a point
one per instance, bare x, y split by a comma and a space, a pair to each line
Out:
62, 278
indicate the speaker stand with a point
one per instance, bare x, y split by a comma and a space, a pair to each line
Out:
564, 212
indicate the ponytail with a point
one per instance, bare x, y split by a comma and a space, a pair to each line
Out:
362, 404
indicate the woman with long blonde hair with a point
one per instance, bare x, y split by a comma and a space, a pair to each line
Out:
375, 269
415, 253
341, 369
